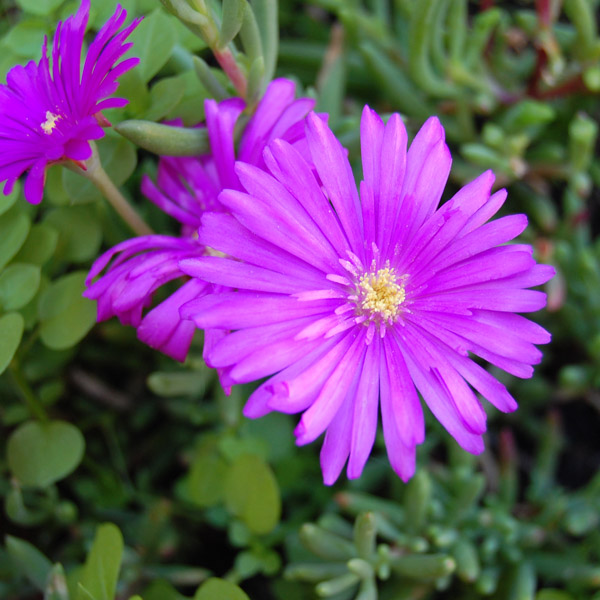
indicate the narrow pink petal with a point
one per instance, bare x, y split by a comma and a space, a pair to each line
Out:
235, 310
317, 418
364, 411
334, 171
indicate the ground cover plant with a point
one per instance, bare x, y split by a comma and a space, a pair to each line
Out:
299, 300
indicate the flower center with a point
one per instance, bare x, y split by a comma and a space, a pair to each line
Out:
50, 123
381, 293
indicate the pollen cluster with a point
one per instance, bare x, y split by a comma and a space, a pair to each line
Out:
50, 123
380, 294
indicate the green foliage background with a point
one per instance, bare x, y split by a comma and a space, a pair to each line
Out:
125, 475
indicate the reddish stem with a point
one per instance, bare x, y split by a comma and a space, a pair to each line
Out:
228, 63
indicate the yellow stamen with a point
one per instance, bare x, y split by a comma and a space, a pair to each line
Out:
50, 123
381, 294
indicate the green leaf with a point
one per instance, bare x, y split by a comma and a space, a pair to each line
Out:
165, 139
552, 594
79, 231
219, 589
39, 7
25, 38
39, 245
102, 566
7, 201
232, 19
39, 454
206, 477
65, 315
160, 589
191, 107
252, 494
28, 561
265, 12
153, 42
164, 97
19, 283
14, 227
11, 331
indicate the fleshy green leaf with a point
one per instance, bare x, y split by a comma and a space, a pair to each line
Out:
164, 139
28, 561
11, 331
39, 454
7, 201
153, 42
39, 245
65, 315
14, 227
80, 234
231, 21
39, 7
252, 494
164, 97
206, 477
19, 283
25, 38
219, 589
102, 566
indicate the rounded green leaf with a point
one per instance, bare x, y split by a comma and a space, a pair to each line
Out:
205, 482
19, 283
214, 588
164, 97
25, 37
39, 7
252, 494
153, 42
39, 454
65, 315
79, 232
14, 227
7, 201
39, 245
11, 331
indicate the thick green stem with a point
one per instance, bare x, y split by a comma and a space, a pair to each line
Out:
97, 175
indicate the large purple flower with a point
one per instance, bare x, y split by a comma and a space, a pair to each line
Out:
186, 187
49, 114
354, 303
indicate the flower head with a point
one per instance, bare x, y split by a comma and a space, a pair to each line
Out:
353, 303
48, 114
185, 188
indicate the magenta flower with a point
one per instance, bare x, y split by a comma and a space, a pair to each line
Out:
352, 304
49, 114
186, 187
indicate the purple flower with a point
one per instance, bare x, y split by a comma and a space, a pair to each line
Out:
185, 189
49, 114
354, 303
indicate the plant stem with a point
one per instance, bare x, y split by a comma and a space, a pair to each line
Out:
228, 63
97, 175
33, 404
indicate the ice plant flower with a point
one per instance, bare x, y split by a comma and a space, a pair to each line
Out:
353, 303
185, 188
48, 114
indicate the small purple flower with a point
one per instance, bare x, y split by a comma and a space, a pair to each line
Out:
49, 114
185, 189
354, 303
